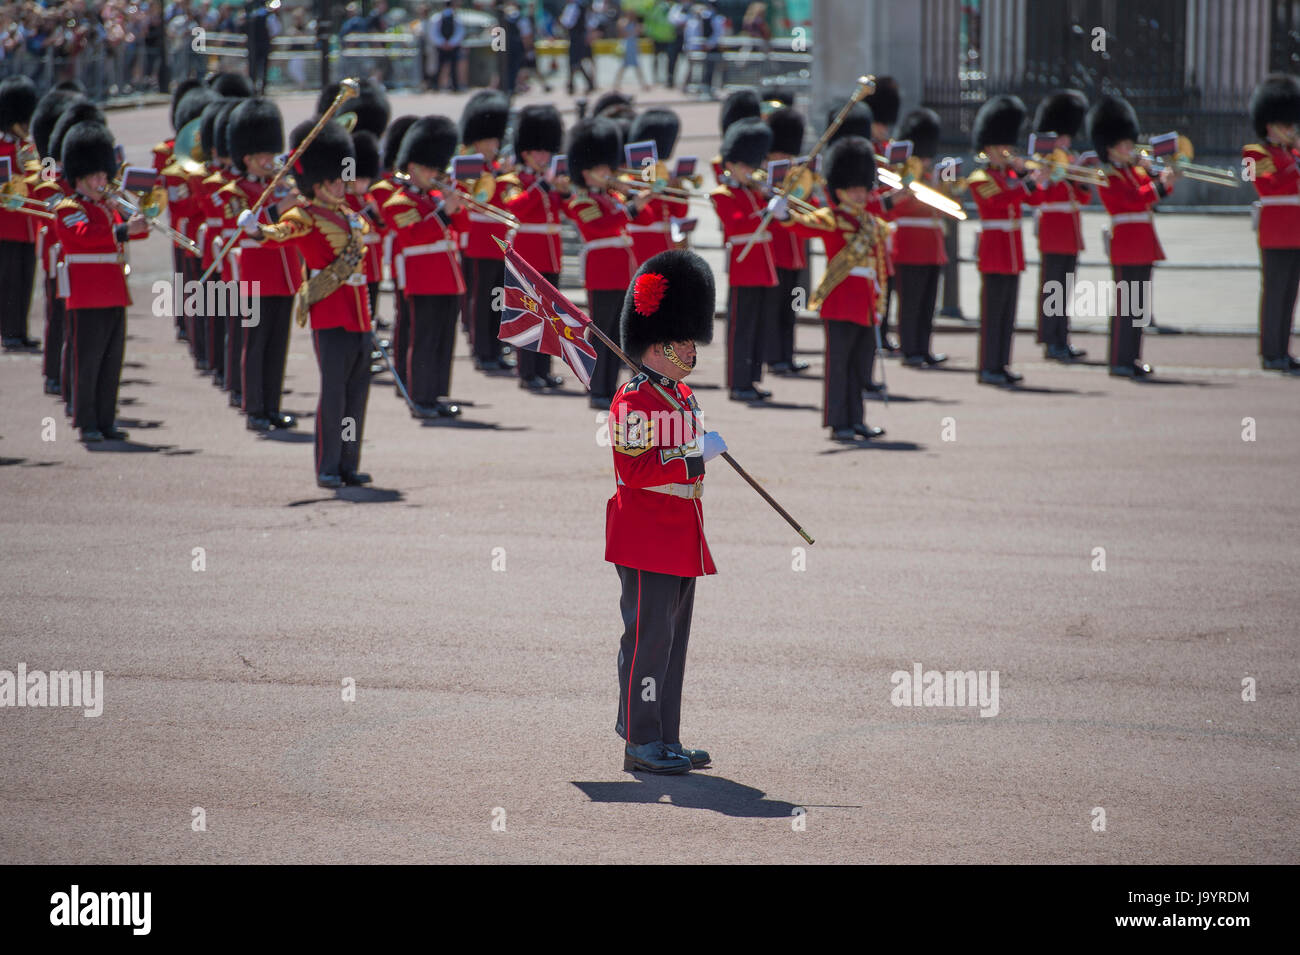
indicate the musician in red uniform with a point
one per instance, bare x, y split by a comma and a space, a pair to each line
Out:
178, 175
654, 523
608, 262
381, 190
1275, 113
884, 104
538, 204
366, 147
328, 236
917, 246
650, 238
739, 104
1129, 194
789, 254
269, 275
428, 273
1060, 228
740, 203
482, 127
999, 191
163, 160
92, 278
17, 229
208, 226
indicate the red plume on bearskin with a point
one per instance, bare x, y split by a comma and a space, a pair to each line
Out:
649, 292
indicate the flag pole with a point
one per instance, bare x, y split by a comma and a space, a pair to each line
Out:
672, 402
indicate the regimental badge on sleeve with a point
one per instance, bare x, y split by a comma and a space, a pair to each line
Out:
634, 434
689, 449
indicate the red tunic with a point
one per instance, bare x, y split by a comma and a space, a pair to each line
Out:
918, 237
1277, 180
477, 231
1060, 228
652, 232
539, 209
92, 270
424, 250
208, 221
17, 226
162, 154
998, 195
1128, 196
374, 238
608, 261
381, 190
740, 211
854, 298
653, 446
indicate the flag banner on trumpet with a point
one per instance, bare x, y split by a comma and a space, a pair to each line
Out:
685, 167
467, 168
1090, 158
140, 179
640, 155
1040, 144
898, 151
1166, 144
535, 316
776, 171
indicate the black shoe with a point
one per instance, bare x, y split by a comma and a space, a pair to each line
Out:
1075, 353
328, 480
1011, 376
991, 378
872, 389
868, 431
698, 757
745, 394
218, 380
52, 386
258, 423
424, 411
18, 344
355, 478
114, 434
383, 324
1141, 369
936, 358
1122, 371
1056, 353
448, 410
889, 343
844, 435
552, 381
780, 368
491, 364
535, 383
914, 361
1276, 364
654, 758
91, 436
281, 420
1295, 365
762, 393
797, 366
236, 400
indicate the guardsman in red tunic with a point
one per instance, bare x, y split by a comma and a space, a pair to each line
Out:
17, 229
1275, 113
381, 190
539, 207
917, 246
654, 523
366, 146
884, 105
1129, 194
655, 236
608, 263
789, 254
740, 104
428, 272
269, 275
999, 192
163, 160
1060, 227
482, 127
328, 236
92, 278
740, 204
178, 173
208, 225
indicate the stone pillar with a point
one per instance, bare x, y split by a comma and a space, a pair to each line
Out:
853, 37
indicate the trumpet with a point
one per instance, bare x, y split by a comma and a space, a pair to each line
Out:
793, 193
657, 178
1060, 159
625, 186
1181, 162
499, 216
115, 194
931, 197
18, 203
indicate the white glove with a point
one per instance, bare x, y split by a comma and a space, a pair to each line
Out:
779, 206
711, 445
248, 222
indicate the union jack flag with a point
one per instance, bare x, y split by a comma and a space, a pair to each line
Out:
534, 315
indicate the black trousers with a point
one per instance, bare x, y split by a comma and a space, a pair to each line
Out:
234, 352
216, 344
432, 343
652, 654
483, 277
918, 290
606, 306
997, 319
17, 281
745, 307
372, 288
196, 321
53, 340
850, 351
99, 342
344, 360
578, 66
534, 364
890, 288
778, 326
449, 59
265, 348
1277, 296
179, 256
1054, 330
1133, 309
401, 332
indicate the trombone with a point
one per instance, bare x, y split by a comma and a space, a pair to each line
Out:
115, 194
1060, 159
1181, 163
931, 197
625, 185
792, 190
26, 205
499, 216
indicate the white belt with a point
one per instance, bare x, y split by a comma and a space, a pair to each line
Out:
919, 222
181, 224
371, 238
1058, 207
1279, 200
1120, 218
95, 258
863, 272
464, 240
756, 236
356, 278
662, 226
442, 245
1002, 225
620, 241
539, 228
692, 492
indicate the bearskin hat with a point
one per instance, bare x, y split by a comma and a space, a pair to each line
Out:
850, 162
370, 106
921, 127
1275, 100
671, 300
323, 160
366, 148
208, 135
998, 122
183, 87
614, 105
87, 149
48, 110
856, 123
221, 127
539, 127
1062, 113
787, 126
885, 101
17, 102
661, 125
1111, 120
393, 139
431, 141
742, 104
594, 142
774, 97
485, 117
190, 106
254, 126
72, 86
80, 110
747, 141
230, 84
